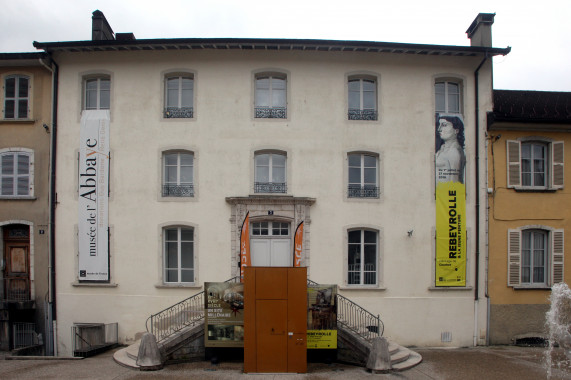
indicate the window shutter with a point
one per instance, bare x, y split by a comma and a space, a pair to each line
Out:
557, 255
514, 257
557, 165
514, 163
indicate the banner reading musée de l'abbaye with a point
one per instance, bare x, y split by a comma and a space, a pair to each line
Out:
93, 222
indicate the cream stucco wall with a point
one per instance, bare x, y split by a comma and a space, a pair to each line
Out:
223, 135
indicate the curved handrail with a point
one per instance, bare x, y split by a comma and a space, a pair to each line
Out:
190, 311
358, 320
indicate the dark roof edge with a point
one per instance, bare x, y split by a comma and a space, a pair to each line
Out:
237, 41
492, 119
15, 56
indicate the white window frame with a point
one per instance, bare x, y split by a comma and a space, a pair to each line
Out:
98, 91
180, 110
17, 98
362, 113
181, 191
30, 175
554, 261
270, 187
179, 267
448, 83
273, 110
554, 165
347, 268
363, 190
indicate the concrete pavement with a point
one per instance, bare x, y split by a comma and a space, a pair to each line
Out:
497, 362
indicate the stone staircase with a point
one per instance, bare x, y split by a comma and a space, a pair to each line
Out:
355, 349
177, 347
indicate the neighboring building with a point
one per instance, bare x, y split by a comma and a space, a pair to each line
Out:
179, 139
529, 218
25, 137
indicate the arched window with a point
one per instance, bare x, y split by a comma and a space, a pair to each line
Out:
270, 172
362, 98
362, 256
363, 181
179, 96
97, 92
16, 173
448, 96
270, 96
178, 253
178, 174
535, 256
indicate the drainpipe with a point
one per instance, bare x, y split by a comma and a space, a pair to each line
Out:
477, 135
54, 68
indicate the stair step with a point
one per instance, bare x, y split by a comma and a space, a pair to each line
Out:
413, 359
393, 347
132, 351
122, 358
400, 356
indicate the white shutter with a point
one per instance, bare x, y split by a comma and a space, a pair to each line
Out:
514, 257
513, 148
557, 254
557, 165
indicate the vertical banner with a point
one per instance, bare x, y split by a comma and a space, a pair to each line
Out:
321, 317
224, 314
93, 221
298, 245
450, 163
245, 246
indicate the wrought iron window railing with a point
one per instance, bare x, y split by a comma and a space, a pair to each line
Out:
270, 112
178, 112
357, 114
178, 190
270, 187
356, 191
17, 289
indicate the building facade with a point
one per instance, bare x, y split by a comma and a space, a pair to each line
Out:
528, 209
192, 135
25, 138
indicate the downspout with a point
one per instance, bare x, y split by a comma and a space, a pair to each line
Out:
477, 135
54, 68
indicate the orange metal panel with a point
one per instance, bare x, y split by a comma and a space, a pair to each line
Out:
271, 335
297, 320
250, 319
271, 283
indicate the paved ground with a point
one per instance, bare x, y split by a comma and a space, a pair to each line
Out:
500, 362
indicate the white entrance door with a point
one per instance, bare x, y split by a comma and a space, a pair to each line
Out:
270, 245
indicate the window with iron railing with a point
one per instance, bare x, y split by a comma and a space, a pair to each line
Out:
179, 96
270, 173
178, 173
362, 99
270, 96
363, 173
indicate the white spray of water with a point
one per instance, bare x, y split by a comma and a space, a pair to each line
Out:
558, 323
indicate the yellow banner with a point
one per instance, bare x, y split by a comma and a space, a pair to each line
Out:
322, 339
450, 234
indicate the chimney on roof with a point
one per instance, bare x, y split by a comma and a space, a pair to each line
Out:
100, 28
480, 32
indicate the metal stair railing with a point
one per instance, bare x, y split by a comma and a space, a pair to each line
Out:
357, 319
173, 319
190, 311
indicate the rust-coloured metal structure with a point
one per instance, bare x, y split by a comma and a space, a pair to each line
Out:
275, 319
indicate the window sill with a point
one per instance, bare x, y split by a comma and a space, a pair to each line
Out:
17, 121
534, 190
17, 198
446, 288
532, 287
94, 284
361, 287
178, 285
177, 199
